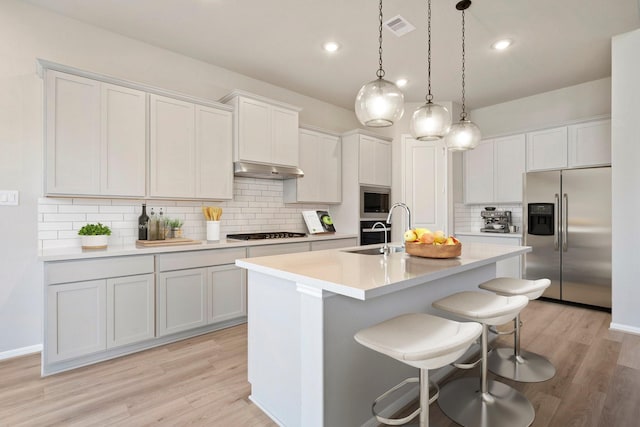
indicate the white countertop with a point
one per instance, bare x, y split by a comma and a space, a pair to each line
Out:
516, 235
63, 254
367, 276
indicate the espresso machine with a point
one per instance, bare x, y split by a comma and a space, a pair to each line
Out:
495, 221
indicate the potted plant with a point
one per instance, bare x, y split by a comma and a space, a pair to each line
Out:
175, 225
94, 236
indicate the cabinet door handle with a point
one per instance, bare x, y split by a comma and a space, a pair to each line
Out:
556, 234
565, 208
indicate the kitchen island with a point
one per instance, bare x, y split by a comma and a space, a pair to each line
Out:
304, 366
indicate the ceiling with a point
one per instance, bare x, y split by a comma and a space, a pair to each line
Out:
557, 43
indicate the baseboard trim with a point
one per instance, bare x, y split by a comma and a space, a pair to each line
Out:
624, 328
21, 352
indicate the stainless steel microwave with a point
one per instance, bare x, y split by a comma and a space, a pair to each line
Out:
374, 202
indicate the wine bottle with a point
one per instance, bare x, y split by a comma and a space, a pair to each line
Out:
143, 223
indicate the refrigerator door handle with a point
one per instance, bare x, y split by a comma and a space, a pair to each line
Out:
565, 203
556, 222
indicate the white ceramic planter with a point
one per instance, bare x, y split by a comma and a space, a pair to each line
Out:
94, 242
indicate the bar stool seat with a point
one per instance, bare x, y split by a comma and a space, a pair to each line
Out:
422, 341
515, 363
473, 402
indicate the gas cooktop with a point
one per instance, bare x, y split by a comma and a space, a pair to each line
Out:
267, 235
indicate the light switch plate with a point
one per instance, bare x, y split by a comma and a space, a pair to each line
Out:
9, 198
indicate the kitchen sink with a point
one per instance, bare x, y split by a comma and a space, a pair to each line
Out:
375, 251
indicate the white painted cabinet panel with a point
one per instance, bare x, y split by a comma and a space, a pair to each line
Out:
72, 158
320, 158
171, 162
374, 161
266, 131
547, 149
590, 144
426, 183
509, 167
227, 293
254, 131
75, 320
182, 300
123, 141
511, 267
478, 173
213, 153
130, 309
95, 137
285, 136
334, 244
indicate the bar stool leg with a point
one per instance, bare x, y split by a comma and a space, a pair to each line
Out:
520, 365
424, 398
492, 404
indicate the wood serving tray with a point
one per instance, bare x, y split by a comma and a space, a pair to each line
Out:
433, 251
167, 242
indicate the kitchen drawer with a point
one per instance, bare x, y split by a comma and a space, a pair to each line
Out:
93, 269
284, 248
333, 244
197, 259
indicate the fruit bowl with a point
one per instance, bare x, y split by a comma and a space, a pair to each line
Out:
433, 251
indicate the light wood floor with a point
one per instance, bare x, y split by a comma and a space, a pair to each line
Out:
202, 381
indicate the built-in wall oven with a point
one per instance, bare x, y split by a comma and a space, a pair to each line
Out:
374, 207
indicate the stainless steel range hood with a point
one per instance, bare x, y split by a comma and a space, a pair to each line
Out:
256, 170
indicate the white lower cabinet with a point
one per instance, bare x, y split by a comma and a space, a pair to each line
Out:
227, 297
182, 300
511, 267
130, 310
76, 315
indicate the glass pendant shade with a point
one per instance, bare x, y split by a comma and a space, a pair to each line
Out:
464, 135
379, 103
430, 122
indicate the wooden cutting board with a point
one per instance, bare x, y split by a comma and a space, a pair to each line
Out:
168, 242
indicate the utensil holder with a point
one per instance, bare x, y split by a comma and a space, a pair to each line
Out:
213, 230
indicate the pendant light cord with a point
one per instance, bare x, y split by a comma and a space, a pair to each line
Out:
463, 114
429, 97
380, 72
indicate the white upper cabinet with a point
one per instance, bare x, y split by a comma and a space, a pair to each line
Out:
590, 144
95, 137
266, 131
172, 144
320, 157
478, 173
190, 150
374, 161
493, 170
214, 153
547, 149
509, 166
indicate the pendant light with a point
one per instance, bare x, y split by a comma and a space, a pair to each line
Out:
379, 103
430, 121
464, 135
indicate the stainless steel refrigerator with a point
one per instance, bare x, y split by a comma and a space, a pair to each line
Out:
567, 222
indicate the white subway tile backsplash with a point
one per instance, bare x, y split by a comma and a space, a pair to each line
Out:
257, 206
467, 217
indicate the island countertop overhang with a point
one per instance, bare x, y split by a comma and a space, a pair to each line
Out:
368, 276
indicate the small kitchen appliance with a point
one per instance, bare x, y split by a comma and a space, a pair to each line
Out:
496, 221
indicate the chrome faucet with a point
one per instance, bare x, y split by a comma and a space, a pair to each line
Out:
406, 208
385, 249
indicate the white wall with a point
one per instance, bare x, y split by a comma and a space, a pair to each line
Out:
625, 157
28, 33
544, 110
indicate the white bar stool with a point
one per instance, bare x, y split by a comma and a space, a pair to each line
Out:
484, 403
514, 363
423, 341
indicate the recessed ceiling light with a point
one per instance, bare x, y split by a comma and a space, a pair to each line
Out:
502, 44
401, 82
331, 46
